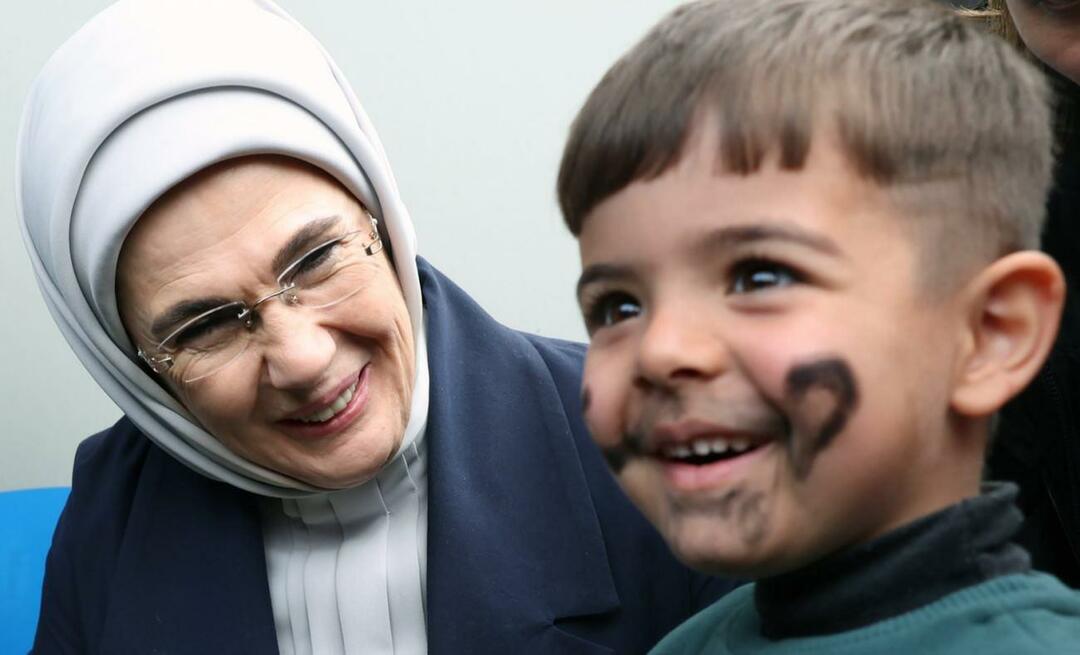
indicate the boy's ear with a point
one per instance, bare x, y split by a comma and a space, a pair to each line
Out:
1013, 309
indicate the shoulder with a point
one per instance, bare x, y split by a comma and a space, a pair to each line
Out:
88, 537
106, 472
1017, 614
142, 535
565, 359
1032, 613
714, 628
475, 334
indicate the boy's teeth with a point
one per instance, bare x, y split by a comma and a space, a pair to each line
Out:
329, 412
704, 447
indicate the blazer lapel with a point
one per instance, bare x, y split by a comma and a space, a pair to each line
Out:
514, 546
189, 580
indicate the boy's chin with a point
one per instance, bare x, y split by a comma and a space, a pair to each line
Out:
722, 552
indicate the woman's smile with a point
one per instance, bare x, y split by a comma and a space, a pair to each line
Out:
329, 417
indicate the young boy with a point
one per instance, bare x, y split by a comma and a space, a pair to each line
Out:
806, 231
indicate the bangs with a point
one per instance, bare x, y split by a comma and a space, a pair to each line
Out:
911, 94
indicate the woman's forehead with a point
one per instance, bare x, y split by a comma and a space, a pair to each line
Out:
226, 224
236, 206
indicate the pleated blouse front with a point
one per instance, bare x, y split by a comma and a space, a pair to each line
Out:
347, 569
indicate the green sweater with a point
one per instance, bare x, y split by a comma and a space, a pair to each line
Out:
1014, 614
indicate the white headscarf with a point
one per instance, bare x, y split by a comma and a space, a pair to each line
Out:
142, 97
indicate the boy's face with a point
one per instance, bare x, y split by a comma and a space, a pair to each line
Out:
766, 373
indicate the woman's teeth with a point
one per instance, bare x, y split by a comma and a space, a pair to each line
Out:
705, 447
339, 404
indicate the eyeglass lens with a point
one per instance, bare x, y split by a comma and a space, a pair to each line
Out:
324, 276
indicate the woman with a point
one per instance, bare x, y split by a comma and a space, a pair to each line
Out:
1038, 438
327, 447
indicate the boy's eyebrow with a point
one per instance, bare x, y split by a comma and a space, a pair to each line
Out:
724, 238
737, 235
601, 272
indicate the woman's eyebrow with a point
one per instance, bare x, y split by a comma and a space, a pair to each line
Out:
303, 240
182, 311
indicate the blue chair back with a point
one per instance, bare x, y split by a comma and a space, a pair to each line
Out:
27, 520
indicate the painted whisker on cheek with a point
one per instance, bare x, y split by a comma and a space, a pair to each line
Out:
819, 397
631, 446
634, 444
744, 509
617, 456
752, 520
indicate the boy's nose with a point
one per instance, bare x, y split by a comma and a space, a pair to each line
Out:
680, 345
297, 350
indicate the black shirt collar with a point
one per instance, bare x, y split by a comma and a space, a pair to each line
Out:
957, 547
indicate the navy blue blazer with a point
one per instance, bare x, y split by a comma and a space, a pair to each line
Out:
532, 548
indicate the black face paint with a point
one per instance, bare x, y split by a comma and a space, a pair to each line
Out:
746, 509
632, 445
633, 442
752, 520
820, 397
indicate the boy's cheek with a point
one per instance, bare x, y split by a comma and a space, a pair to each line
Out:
601, 414
604, 390
813, 386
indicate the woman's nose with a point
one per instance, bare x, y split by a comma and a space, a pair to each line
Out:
297, 350
680, 345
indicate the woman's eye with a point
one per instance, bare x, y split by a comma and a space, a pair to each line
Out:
207, 333
315, 259
610, 309
758, 275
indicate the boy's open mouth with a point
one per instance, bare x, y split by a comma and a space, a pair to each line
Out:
707, 450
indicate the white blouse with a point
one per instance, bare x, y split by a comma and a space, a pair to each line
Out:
347, 569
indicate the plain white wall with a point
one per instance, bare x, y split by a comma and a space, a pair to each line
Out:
472, 100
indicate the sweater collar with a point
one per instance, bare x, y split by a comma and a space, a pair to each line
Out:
907, 568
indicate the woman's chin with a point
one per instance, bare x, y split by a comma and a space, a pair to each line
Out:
336, 476
344, 470
349, 460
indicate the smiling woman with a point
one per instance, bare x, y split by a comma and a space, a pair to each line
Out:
327, 446
317, 385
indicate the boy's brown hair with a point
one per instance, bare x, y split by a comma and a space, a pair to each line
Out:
915, 96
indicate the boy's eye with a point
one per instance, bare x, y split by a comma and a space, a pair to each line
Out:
611, 308
753, 275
